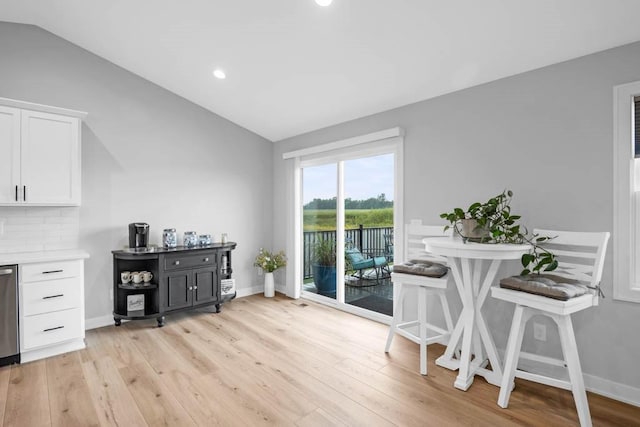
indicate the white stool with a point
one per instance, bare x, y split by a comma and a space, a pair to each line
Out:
580, 257
425, 286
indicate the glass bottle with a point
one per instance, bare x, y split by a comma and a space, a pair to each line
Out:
169, 238
190, 239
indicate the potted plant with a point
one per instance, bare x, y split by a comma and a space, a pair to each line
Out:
269, 262
323, 264
493, 222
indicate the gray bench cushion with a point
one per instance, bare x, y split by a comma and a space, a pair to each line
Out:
547, 285
421, 268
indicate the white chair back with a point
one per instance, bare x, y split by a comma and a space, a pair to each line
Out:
580, 255
414, 248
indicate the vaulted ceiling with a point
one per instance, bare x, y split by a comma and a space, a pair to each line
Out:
293, 66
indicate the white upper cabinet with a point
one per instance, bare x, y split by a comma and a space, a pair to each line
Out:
9, 154
40, 161
50, 159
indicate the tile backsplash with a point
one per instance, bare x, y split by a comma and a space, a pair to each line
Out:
31, 229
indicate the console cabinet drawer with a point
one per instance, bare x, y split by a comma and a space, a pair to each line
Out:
51, 295
50, 271
177, 262
51, 328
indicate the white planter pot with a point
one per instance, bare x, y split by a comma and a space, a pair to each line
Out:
471, 230
269, 288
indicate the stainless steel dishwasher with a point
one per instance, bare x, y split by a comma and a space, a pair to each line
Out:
9, 349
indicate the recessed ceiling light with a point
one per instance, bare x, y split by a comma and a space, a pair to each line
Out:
218, 73
324, 2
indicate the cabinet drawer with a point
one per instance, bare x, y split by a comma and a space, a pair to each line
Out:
176, 262
51, 295
50, 271
51, 328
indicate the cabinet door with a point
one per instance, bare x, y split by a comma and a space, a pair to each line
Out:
10, 155
206, 287
50, 161
177, 290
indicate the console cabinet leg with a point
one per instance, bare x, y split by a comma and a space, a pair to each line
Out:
160, 321
218, 308
118, 322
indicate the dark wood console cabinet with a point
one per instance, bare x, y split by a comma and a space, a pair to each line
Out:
183, 279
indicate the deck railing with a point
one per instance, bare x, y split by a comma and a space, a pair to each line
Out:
370, 241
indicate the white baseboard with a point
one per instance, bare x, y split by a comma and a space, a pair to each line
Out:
258, 289
613, 390
245, 292
622, 392
107, 319
98, 322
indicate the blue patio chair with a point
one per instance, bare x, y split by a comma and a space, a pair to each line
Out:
360, 263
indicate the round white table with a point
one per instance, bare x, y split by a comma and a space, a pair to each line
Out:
473, 279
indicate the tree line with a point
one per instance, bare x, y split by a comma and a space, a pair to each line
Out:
379, 202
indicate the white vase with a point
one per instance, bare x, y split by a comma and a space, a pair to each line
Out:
269, 289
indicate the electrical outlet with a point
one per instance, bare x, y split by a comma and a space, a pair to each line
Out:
260, 272
539, 331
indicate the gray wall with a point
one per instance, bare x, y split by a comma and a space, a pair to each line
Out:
147, 155
545, 134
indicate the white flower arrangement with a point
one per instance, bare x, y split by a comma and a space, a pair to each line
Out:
270, 262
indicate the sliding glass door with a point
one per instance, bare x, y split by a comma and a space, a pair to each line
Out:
347, 229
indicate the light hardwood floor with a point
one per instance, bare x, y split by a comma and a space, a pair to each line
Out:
268, 361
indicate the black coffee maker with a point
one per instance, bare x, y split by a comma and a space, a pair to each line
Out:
138, 235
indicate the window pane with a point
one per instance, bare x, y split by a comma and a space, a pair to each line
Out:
368, 192
319, 188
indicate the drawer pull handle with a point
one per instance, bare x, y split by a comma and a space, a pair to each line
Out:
195, 287
205, 260
176, 263
52, 271
53, 296
16, 193
190, 288
53, 329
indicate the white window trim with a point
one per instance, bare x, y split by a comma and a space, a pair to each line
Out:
626, 223
389, 140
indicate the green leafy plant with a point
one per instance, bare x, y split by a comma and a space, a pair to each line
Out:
501, 226
270, 262
324, 252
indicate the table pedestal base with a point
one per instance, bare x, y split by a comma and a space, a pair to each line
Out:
470, 337
474, 369
471, 349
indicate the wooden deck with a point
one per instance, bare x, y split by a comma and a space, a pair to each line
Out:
268, 362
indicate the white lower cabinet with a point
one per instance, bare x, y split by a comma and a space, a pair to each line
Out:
51, 328
51, 308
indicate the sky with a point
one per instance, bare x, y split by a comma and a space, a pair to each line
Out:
364, 178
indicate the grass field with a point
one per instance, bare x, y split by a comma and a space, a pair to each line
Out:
325, 219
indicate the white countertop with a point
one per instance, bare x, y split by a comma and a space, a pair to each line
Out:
42, 256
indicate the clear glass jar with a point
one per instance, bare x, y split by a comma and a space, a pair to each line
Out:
223, 238
204, 240
169, 238
190, 239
